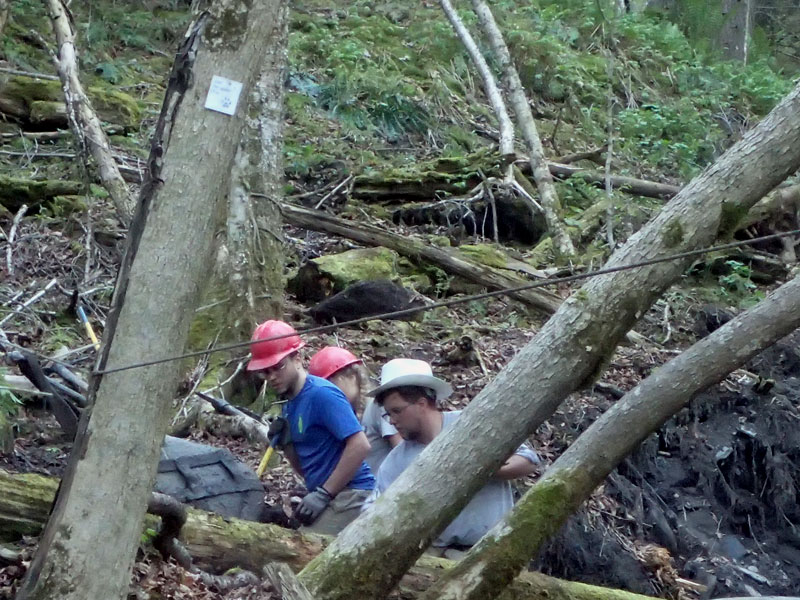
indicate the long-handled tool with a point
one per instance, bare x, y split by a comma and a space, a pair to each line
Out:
89, 329
262, 466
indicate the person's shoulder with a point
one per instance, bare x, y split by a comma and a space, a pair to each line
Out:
450, 416
319, 387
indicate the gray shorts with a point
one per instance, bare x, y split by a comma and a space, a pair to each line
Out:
340, 512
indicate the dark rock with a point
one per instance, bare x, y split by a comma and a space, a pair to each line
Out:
731, 547
364, 299
710, 318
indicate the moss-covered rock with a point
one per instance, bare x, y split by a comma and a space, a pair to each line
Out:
327, 275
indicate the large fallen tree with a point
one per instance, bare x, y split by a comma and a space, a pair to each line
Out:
218, 544
449, 259
567, 354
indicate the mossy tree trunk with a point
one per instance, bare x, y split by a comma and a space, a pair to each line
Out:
218, 544
541, 174
247, 283
5, 7
90, 542
503, 552
567, 354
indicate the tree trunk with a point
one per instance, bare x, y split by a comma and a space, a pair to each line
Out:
541, 175
247, 283
218, 544
82, 119
489, 83
734, 37
567, 354
503, 552
5, 7
89, 546
449, 259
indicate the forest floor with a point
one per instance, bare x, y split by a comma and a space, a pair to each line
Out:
705, 507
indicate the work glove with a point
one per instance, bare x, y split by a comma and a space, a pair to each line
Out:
279, 433
312, 506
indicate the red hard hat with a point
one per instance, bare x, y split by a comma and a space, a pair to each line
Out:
331, 359
269, 353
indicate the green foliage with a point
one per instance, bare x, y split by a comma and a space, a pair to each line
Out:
9, 402
738, 280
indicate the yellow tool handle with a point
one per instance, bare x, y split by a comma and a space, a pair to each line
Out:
92, 336
263, 465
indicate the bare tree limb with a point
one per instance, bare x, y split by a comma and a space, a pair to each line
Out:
489, 83
541, 175
86, 125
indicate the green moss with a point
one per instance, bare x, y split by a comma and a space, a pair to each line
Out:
485, 254
358, 265
673, 233
732, 214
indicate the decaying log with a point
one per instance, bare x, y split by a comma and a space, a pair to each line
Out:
83, 120
219, 544
16, 191
36, 99
449, 259
450, 177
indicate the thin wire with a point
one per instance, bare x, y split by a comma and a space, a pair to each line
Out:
446, 303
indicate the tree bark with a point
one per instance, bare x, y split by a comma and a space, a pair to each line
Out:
541, 175
113, 463
218, 544
503, 552
5, 7
449, 259
247, 283
82, 119
567, 354
489, 83
734, 37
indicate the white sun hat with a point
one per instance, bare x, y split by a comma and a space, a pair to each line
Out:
408, 371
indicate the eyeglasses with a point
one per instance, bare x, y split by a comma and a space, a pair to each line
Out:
394, 412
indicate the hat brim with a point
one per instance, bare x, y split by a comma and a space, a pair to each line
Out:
266, 363
441, 388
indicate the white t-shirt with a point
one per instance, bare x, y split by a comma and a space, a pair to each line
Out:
377, 429
482, 513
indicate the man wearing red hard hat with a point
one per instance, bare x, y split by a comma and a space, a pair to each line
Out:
322, 437
344, 369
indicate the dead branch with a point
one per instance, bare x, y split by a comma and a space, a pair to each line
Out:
284, 581
11, 235
593, 155
547, 192
489, 83
86, 126
631, 185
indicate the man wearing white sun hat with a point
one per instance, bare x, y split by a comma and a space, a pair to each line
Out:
411, 398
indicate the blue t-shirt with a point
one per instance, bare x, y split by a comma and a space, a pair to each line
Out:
321, 419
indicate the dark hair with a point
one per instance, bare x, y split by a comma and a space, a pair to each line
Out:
409, 393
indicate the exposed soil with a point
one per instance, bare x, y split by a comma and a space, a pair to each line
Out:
716, 486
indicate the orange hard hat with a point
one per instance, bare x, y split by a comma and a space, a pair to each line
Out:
331, 359
269, 353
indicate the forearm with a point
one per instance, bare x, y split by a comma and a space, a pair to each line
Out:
355, 451
514, 467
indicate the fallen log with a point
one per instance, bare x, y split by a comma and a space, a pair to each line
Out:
16, 191
454, 177
449, 259
28, 99
219, 544
631, 185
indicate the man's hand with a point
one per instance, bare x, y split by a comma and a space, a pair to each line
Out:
312, 506
279, 433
